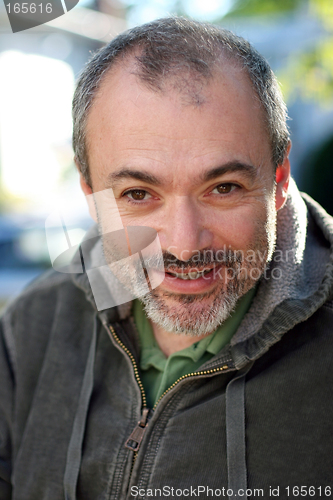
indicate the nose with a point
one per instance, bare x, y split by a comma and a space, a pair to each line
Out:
184, 232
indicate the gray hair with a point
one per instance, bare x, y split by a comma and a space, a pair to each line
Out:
179, 46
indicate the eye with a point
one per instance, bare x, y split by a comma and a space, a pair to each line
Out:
137, 194
224, 188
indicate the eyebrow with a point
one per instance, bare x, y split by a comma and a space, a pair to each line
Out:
139, 175
234, 166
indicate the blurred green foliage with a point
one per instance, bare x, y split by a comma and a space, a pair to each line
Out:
309, 74
306, 74
261, 7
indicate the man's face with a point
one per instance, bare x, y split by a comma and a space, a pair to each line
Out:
199, 174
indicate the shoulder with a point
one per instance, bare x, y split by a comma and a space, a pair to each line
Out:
50, 304
43, 296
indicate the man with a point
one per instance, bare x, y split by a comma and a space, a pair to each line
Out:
216, 382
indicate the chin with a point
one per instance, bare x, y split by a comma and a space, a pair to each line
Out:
190, 315
199, 314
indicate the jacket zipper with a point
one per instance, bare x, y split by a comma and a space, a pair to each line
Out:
193, 374
134, 441
135, 366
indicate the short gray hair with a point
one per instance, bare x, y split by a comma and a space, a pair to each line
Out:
175, 46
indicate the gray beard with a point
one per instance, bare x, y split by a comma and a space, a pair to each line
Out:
194, 320
195, 315
192, 315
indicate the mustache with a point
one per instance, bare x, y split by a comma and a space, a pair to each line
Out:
202, 258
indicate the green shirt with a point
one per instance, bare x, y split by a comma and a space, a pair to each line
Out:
158, 372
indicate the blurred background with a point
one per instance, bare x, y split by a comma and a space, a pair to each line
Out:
38, 68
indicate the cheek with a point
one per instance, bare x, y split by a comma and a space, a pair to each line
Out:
241, 229
132, 219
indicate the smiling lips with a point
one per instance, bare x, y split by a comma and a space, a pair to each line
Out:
193, 280
190, 275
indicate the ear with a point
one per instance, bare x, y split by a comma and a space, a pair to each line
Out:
88, 193
282, 177
86, 188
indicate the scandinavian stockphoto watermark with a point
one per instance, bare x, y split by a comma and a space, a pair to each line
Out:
227, 263
24, 15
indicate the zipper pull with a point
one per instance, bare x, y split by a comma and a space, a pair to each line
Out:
134, 441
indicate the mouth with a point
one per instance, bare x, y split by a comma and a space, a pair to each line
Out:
191, 274
193, 280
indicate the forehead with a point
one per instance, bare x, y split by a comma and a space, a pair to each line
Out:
186, 122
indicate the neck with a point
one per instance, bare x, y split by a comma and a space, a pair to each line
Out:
170, 342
